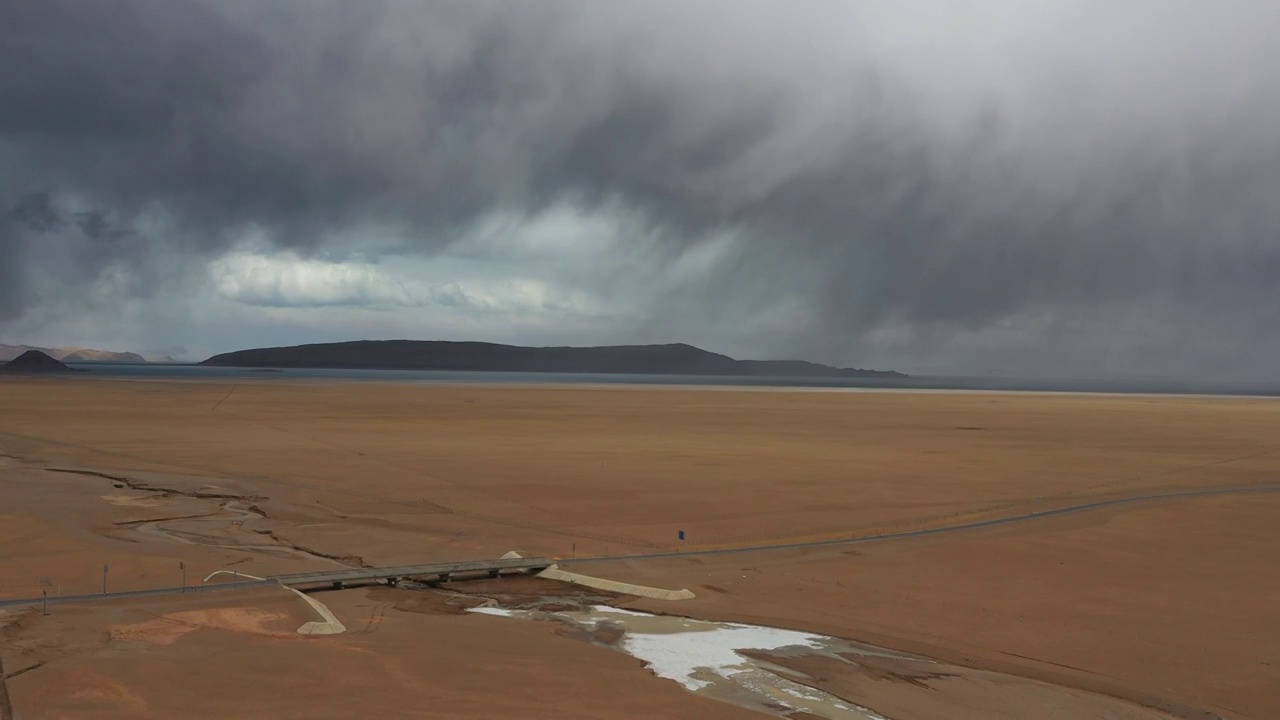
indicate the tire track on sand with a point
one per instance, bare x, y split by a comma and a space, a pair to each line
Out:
6, 707
963, 527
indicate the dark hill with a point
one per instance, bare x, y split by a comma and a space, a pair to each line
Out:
676, 359
86, 356
34, 361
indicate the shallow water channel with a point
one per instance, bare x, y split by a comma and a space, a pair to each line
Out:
707, 658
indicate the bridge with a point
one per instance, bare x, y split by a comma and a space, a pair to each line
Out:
437, 572
434, 572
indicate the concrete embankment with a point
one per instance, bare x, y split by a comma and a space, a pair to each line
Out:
555, 573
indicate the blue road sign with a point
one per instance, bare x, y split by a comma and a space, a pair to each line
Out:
681, 534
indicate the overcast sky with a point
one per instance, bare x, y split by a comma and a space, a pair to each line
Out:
1052, 188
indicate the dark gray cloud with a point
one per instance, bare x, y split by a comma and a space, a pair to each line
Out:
926, 175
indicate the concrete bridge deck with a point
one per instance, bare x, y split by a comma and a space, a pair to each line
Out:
433, 571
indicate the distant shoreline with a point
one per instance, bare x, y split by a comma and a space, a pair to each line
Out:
921, 383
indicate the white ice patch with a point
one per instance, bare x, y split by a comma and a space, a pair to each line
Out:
500, 612
701, 655
619, 611
679, 656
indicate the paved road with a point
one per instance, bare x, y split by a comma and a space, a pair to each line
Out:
1095, 505
309, 578
53, 599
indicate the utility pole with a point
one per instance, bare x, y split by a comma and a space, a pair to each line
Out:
105, 568
44, 594
183, 567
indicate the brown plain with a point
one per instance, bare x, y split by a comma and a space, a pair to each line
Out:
1165, 601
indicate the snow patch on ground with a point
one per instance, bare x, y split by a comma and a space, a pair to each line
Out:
619, 611
500, 612
680, 656
706, 656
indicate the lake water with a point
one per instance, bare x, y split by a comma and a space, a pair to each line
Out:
923, 382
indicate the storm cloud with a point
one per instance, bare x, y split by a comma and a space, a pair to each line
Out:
1058, 187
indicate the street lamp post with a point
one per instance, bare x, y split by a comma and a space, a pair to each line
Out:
183, 567
105, 568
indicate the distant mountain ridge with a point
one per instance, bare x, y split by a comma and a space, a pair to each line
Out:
672, 359
72, 354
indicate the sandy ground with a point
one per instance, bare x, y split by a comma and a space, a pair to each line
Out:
1168, 604
1171, 601
406, 656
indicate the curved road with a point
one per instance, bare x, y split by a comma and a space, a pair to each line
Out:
1095, 505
